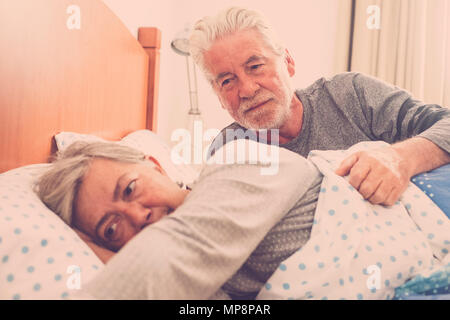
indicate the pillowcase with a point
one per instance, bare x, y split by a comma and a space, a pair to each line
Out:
40, 256
436, 185
146, 141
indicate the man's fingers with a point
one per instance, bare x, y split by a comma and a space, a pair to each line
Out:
369, 186
394, 196
382, 193
347, 164
358, 174
376, 174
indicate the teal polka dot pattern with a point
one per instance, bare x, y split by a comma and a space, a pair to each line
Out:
375, 248
436, 185
436, 281
33, 258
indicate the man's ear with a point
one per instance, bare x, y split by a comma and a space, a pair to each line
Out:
290, 63
158, 166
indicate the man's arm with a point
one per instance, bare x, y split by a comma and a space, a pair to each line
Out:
392, 115
421, 155
382, 175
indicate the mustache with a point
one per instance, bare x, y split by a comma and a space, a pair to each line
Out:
256, 100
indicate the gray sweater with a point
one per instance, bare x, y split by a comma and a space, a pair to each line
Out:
352, 107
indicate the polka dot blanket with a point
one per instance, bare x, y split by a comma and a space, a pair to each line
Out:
358, 250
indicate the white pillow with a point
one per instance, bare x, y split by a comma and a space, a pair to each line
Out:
40, 256
146, 141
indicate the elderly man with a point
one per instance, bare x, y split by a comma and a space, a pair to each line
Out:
250, 72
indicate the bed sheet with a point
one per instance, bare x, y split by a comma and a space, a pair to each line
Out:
432, 284
358, 250
436, 185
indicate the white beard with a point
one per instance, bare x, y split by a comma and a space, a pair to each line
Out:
261, 119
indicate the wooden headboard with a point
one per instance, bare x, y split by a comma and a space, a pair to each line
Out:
71, 66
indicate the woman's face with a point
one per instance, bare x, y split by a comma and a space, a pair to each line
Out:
116, 200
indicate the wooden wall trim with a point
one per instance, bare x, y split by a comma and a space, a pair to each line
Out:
150, 39
53, 78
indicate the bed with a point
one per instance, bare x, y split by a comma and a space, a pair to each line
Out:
69, 70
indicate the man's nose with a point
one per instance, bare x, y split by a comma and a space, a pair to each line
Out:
247, 87
138, 215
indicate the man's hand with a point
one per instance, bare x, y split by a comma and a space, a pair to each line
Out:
380, 175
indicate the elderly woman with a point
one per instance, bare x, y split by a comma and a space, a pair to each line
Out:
231, 231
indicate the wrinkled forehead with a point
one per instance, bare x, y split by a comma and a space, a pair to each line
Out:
242, 38
94, 190
102, 171
235, 49
102, 176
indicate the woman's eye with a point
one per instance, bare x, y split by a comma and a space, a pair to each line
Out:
110, 231
129, 189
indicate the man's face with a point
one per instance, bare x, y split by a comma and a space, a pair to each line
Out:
251, 81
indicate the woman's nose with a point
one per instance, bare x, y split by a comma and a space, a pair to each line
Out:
138, 215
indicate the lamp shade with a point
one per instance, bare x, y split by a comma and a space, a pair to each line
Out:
180, 43
181, 46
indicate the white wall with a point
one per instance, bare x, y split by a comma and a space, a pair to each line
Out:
307, 27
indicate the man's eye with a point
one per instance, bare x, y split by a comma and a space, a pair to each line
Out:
130, 188
256, 67
226, 82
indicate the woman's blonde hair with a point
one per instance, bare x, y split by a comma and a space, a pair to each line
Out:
58, 187
227, 22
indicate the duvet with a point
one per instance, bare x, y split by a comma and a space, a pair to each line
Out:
362, 251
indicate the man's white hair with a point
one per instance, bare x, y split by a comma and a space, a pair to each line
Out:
227, 22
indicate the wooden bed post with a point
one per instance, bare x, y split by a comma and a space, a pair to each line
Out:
150, 39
